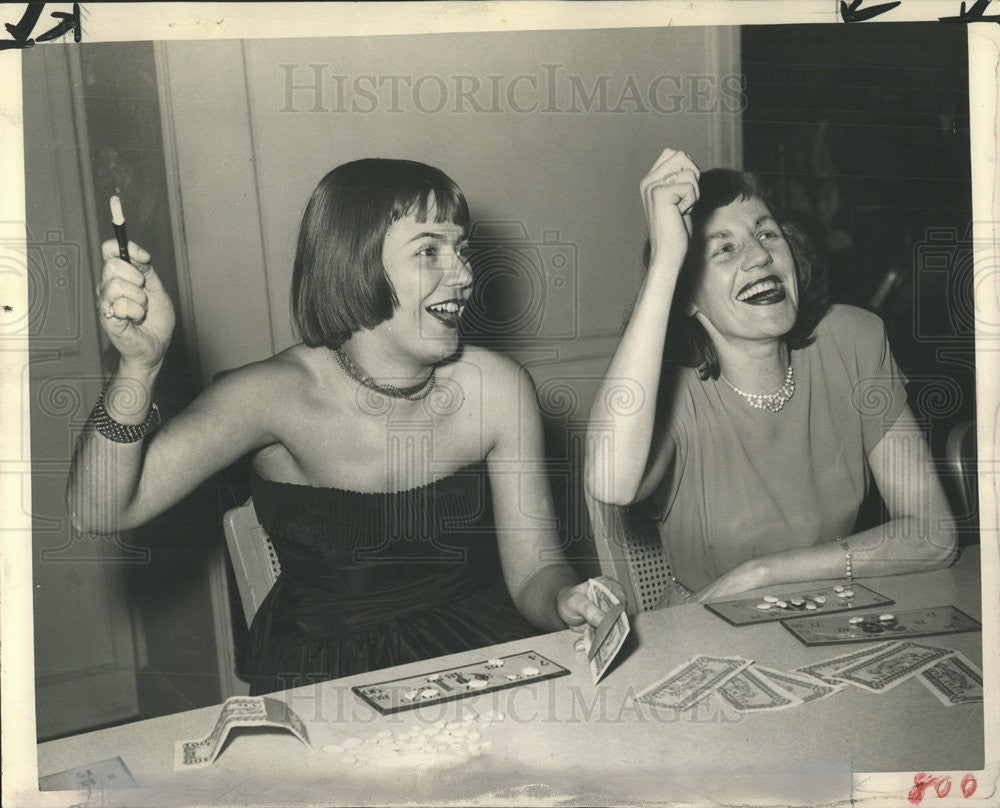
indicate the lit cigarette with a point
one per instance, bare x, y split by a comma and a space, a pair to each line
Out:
118, 220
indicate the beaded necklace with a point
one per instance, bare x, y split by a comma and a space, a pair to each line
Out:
768, 401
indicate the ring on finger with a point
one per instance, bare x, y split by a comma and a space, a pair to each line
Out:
108, 310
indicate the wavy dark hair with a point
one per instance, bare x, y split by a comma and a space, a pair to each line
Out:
339, 284
688, 343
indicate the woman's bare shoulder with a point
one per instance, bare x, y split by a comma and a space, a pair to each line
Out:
489, 360
273, 379
497, 375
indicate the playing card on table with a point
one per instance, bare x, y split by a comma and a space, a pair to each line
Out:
604, 642
954, 680
807, 688
826, 670
890, 667
750, 692
238, 711
689, 683
100, 775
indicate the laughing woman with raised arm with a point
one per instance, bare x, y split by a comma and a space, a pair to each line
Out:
765, 414
408, 524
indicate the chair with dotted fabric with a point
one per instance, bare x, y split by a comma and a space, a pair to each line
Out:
255, 563
629, 549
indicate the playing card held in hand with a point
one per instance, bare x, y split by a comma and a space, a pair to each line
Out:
604, 642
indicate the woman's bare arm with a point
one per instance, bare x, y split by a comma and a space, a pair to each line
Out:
115, 486
620, 467
546, 589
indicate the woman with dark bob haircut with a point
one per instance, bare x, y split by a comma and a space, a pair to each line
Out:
763, 415
398, 474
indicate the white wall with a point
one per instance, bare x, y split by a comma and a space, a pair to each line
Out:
248, 154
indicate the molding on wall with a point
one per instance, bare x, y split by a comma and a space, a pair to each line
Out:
218, 580
185, 306
727, 127
78, 592
734, 132
90, 204
210, 159
255, 168
594, 345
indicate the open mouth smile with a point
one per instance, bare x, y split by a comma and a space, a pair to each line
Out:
763, 291
448, 312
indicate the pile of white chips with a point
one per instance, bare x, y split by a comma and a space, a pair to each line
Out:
443, 743
806, 602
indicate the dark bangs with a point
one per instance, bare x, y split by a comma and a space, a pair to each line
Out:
339, 285
448, 200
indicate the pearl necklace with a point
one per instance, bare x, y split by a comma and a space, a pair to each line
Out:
768, 401
415, 393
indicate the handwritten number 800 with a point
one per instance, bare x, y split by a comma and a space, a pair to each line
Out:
942, 786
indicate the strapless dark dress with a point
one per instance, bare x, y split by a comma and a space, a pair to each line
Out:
371, 580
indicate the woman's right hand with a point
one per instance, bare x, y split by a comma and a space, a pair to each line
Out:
134, 308
669, 191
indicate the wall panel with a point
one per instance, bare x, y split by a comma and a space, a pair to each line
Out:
548, 131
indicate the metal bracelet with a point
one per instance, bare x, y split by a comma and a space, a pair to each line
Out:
847, 557
118, 432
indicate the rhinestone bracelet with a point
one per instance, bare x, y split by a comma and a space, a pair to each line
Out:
847, 557
118, 432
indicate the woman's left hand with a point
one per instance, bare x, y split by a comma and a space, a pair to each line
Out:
577, 610
746, 576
